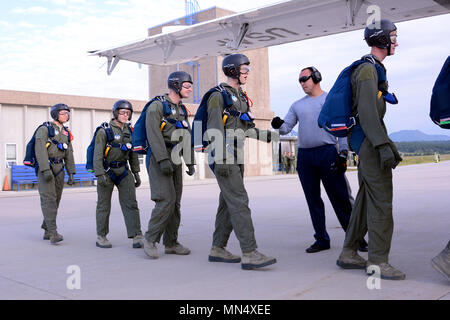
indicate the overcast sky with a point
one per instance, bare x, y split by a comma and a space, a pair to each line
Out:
44, 44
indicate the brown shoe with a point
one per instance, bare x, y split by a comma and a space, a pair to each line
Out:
442, 262
55, 237
46, 235
255, 259
387, 272
350, 259
177, 249
150, 249
103, 242
138, 241
218, 254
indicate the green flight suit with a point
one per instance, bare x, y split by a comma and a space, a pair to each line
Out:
372, 211
292, 164
233, 212
126, 187
54, 159
284, 164
166, 190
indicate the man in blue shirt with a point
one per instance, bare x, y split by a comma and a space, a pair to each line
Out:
318, 159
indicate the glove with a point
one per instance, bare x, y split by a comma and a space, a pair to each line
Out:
48, 175
340, 165
397, 156
387, 157
166, 167
102, 180
191, 169
277, 123
70, 181
137, 179
221, 169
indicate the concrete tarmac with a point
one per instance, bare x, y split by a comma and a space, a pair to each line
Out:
31, 268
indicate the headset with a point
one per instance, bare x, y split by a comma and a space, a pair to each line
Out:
315, 74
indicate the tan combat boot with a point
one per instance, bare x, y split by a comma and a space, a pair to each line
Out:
178, 248
46, 235
150, 249
387, 272
442, 262
218, 254
350, 259
255, 259
103, 242
55, 237
138, 241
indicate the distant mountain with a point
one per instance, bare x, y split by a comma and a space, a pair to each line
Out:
416, 135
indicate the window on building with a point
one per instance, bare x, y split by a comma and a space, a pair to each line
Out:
11, 154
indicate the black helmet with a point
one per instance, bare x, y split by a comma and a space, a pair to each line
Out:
379, 37
122, 104
54, 111
231, 64
176, 79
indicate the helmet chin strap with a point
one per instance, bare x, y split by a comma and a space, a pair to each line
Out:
117, 119
389, 48
62, 123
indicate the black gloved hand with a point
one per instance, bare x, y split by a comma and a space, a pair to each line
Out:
387, 157
102, 180
340, 165
397, 156
70, 180
137, 179
191, 169
277, 122
166, 167
221, 169
48, 175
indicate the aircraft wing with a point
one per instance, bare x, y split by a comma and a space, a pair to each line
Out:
271, 25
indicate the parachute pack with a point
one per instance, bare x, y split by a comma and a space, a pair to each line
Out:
440, 98
335, 116
139, 135
201, 117
30, 154
90, 150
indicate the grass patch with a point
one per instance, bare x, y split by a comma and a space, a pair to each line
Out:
407, 160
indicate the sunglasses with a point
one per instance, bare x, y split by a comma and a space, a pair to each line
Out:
124, 112
304, 78
187, 86
63, 113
